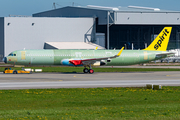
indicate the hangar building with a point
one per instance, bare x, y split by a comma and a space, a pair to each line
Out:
124, 26
132, 27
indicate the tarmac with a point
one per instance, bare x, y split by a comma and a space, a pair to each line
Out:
81, 80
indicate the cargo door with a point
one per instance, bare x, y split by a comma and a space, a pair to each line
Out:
23, 55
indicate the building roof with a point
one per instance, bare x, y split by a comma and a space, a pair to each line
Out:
71, 45
117, 15
122, 9
116, 9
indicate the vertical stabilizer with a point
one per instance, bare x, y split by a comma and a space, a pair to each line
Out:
161, 41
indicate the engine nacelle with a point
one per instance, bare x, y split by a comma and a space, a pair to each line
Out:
66, 62
99, 63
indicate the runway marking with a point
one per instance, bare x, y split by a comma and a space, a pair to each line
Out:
60, 80
167, 75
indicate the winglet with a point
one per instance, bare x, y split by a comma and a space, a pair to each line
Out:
120, 52
160, 43
96, 48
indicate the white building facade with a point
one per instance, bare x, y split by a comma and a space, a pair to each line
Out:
18, 33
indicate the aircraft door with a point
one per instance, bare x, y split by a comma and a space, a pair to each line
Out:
23, 55
145, 56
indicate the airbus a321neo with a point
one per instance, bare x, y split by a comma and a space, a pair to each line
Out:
88, 58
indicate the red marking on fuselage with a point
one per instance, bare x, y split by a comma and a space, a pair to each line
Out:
76, 62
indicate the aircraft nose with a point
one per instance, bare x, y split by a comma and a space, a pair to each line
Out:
5, 59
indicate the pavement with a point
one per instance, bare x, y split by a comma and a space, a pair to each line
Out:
173, 67
81, 80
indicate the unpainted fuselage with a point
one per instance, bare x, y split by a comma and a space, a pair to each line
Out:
56, 57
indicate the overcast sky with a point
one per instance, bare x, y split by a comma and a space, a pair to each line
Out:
29, 7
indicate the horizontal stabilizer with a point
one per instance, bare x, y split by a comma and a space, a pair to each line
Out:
164, 54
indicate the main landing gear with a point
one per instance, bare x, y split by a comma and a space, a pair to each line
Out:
86, 70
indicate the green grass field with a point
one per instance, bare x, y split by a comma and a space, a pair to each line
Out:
91, 104
96, 69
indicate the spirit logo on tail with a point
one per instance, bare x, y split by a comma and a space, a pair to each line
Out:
161, 41
161, 38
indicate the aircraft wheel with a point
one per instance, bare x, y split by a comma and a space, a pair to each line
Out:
91, 71
15, 72
85, 70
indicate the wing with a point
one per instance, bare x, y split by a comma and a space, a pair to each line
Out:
93, 60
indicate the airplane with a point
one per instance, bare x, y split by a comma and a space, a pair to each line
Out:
88, 58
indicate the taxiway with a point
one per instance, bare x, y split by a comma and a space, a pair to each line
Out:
81, 80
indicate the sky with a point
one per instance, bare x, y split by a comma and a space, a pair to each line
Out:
29, 7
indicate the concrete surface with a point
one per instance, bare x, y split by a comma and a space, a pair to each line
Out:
81, 80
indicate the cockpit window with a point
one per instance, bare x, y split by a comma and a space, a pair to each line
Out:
10, 54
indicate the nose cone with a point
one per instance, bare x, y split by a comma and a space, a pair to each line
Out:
5, 59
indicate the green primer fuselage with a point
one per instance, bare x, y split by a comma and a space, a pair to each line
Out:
55, 57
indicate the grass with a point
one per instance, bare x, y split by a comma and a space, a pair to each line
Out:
91, 104
96, 69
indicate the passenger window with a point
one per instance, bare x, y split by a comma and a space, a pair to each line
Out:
14, 54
